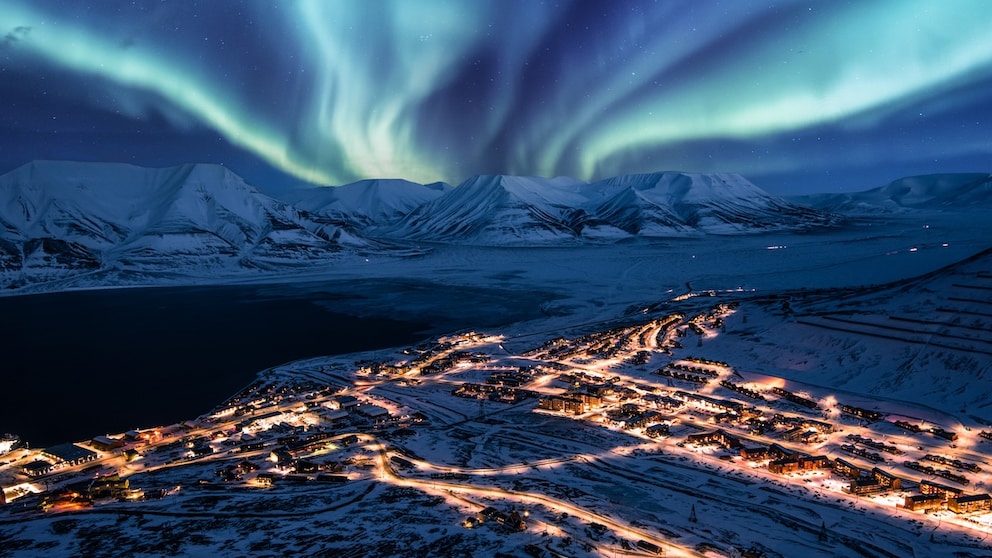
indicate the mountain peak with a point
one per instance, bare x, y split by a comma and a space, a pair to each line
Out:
931, 191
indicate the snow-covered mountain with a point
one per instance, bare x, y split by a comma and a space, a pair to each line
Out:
932, 191
499, 209
366, 204
667, 204
89, 216
112, 221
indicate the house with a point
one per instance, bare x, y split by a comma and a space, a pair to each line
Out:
38, 468
590, 399
819, 426
642, 419
561, 403
816, 462
886, 479
374, 412
869, 415
794, 434
106, 443
757, 453
945, 434
657, 431
69, 454
970, 503
251, 446
281, 457
513, 521
795, 463
784, 466
718, 437
928, 487
668, 403
711, 403
347, 401
110, 486
863, 486
777, 451
200, 451
924, 502
846, 469
305, 467
266, 479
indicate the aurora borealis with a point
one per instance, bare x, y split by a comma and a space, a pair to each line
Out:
808, 95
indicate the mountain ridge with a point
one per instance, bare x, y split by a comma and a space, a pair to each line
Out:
60, 218
928, 191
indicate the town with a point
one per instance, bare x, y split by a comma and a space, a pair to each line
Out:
499, 428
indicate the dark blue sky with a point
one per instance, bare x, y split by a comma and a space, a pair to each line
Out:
797, 96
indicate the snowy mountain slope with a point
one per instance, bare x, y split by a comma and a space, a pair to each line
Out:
498, 209
65, 215
367, 203
675, 203
61, 219
934, 191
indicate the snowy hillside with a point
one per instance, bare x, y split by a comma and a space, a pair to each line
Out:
923, 340
498, 209
59, 216
674, 203
933, 191
366, 203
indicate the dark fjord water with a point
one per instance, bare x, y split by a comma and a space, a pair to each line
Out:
79, 364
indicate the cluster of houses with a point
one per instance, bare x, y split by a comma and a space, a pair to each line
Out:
512, 521
82, 494
746, 392
630, 416
949, 475
795, 398
888, 448
492, 392
585, 393
575, 403
952, 462
501, 385
608, 344
862, 481
781, 460
935, 430
866, 481
866, 414
935, 497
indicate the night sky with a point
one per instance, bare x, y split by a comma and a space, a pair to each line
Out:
797, 96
